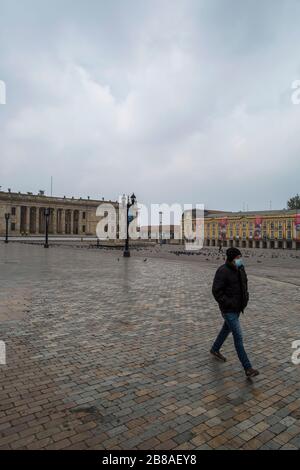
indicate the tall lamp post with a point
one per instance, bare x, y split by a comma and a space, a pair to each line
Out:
129, 201
47, 216
7, 216
160, 228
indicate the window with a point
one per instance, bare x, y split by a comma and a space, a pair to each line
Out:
83, 228
13, 226
280, 234
83, 215
13, 211
289, 234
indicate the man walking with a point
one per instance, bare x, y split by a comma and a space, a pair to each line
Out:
230, 289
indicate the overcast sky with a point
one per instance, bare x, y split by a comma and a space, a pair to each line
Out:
179, 101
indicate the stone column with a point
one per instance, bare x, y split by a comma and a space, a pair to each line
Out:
63, 221
276, 244
54, 221
58, 227
87, 225
72, 221
294, 244
27, 222
284, 244
37, 220
268, 244
18, 220
261, 243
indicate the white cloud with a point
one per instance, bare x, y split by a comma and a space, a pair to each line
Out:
178, 101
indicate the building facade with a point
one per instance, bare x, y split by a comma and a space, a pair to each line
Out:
166, 233
260, 229
68, 216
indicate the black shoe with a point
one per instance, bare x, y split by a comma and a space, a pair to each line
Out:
218, 355
251, 372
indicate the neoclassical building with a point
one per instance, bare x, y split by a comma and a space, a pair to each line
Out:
254, 229
68, 216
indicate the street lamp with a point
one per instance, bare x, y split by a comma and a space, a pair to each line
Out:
47, 215
129, 202
160, 228
7, 216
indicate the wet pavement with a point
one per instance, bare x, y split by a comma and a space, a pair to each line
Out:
111, 353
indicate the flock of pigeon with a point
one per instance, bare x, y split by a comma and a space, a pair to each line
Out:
206, 253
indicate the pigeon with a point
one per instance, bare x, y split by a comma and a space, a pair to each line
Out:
145, 260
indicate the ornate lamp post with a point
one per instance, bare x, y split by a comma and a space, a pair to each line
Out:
129, 202
7, 216
47, 216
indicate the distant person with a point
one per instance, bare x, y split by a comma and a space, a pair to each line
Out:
220, 249
230, 289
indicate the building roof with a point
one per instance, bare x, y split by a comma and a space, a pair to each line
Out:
206, 212
7, 195
254, 213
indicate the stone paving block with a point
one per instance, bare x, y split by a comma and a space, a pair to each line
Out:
102, 361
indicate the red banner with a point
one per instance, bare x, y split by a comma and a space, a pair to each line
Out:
257, 228
297, 225
223, 228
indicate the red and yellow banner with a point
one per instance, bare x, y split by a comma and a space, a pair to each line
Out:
257, 228
297, 225
223, 228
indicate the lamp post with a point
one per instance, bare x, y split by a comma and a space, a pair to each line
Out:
7, 216
47, 215
160, 228
129, 202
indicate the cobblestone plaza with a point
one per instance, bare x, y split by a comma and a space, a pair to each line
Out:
105, 352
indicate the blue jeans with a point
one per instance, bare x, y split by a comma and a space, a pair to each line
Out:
232, 325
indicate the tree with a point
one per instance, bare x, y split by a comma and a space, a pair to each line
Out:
294, 202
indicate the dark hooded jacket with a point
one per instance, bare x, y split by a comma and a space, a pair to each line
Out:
230, 288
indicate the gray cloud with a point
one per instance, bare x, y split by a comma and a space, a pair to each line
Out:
180, 101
